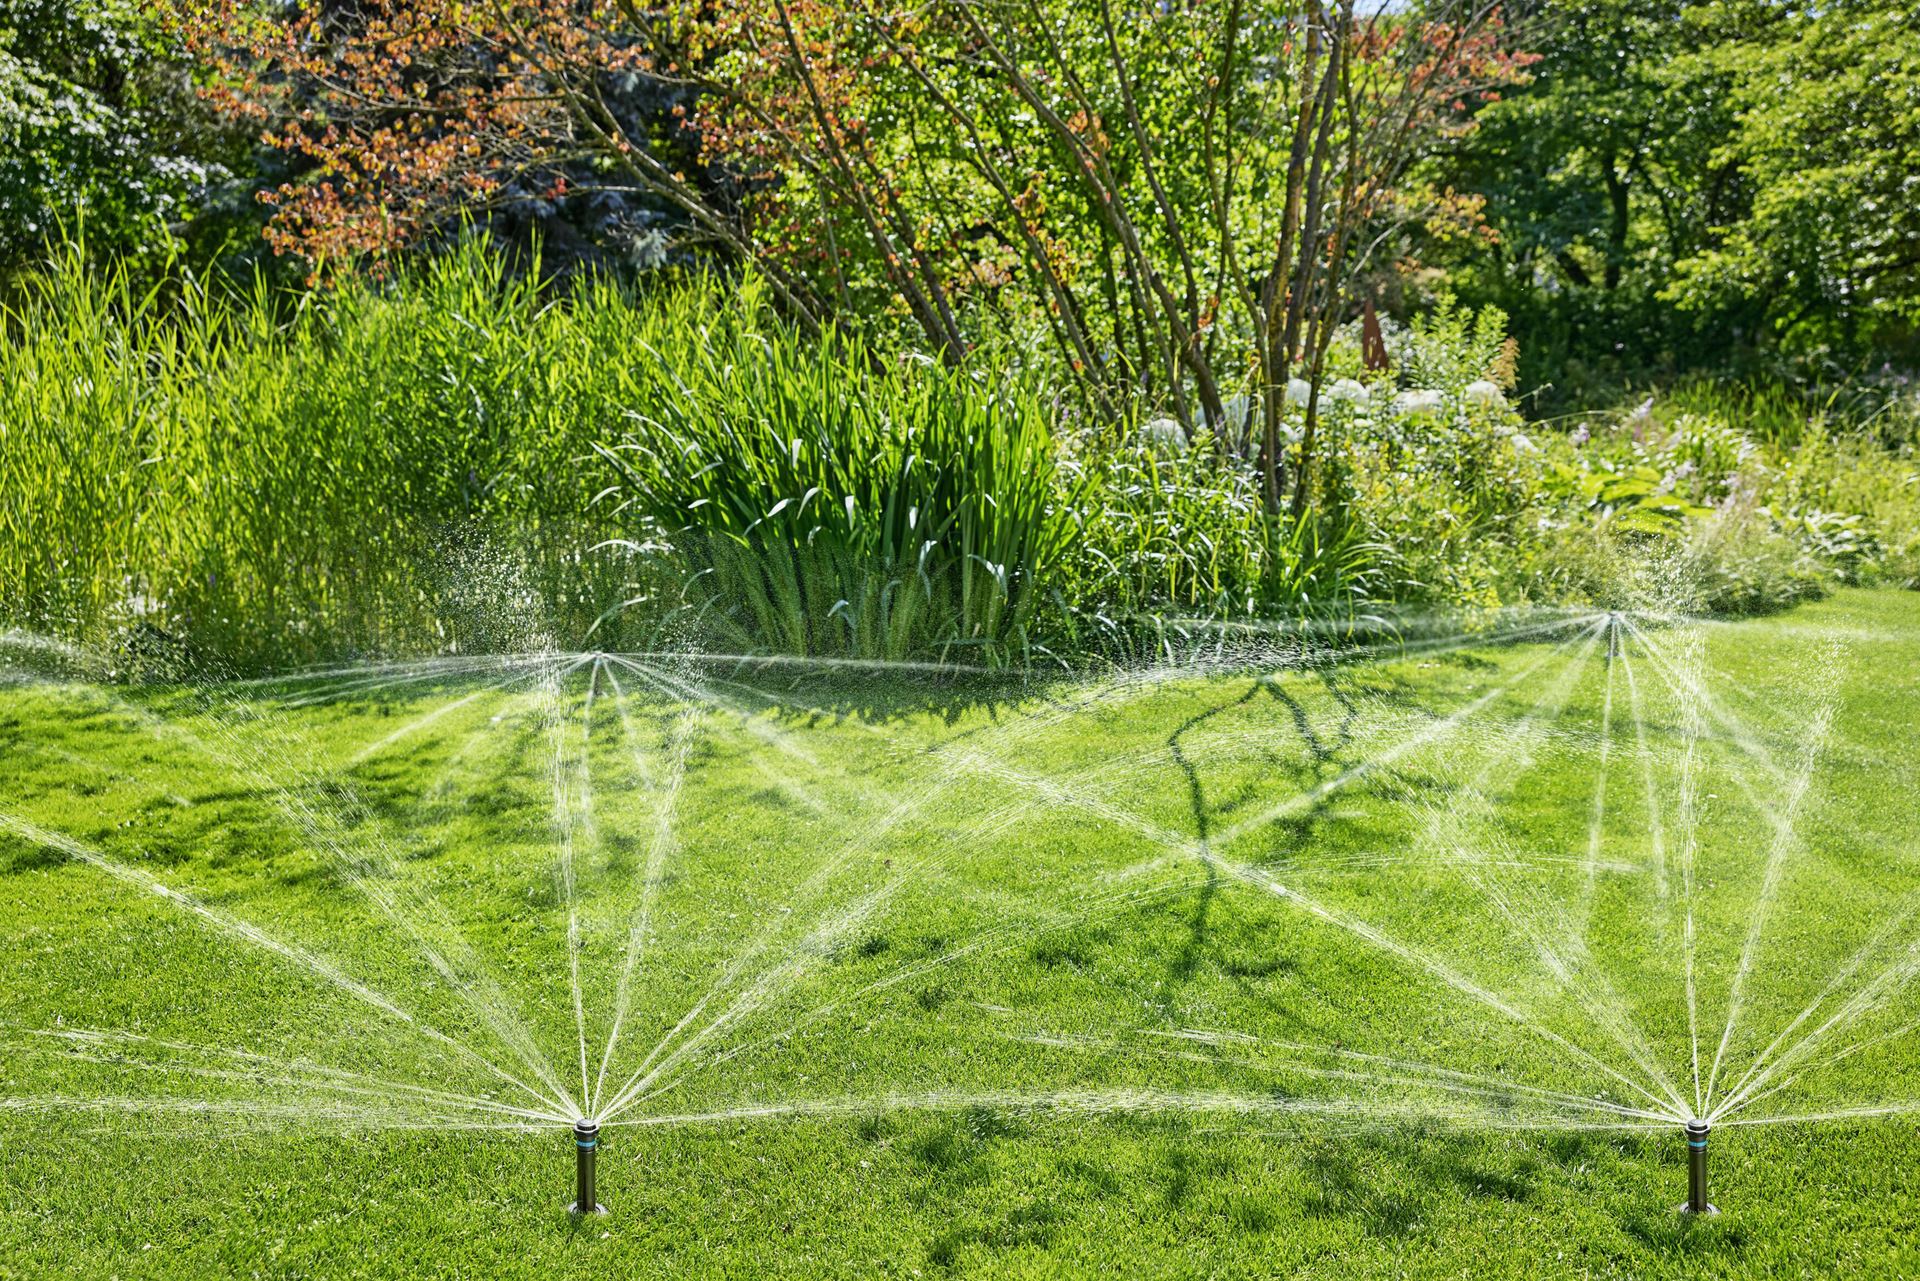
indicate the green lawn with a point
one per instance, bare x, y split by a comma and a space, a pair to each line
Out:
1377, 969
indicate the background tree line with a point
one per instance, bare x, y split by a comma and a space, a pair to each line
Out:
989, 328
1646, 187
1697, 186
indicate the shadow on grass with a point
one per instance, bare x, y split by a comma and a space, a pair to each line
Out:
1388, 1185
1325, 758
803, 695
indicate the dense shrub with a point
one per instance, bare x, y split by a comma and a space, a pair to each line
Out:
1706, 509
824, 502
432, 464
457, 460
1163, 537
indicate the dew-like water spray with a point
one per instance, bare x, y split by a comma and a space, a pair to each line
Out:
676, 888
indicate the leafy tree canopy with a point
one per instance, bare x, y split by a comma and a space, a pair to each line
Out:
100, 132
1824, 103
1680, 181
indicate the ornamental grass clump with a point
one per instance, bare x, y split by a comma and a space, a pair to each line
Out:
824, 502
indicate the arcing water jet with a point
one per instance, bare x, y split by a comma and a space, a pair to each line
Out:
1697, 1202
586, 1148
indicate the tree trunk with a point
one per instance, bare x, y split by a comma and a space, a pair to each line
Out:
1617, 229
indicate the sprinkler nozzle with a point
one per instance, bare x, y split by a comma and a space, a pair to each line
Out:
586, 1148
1616, 644
1697, 1203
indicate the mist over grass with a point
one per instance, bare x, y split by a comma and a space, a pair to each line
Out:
1242, 964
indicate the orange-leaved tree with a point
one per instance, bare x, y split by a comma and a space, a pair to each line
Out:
1176, 196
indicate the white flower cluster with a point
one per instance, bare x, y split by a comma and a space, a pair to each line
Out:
1167, 436
1419, 403
1347, 391
1164, 435
1483, 393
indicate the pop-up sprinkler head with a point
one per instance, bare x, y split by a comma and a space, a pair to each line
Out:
586, 1147
1616, 641
1697, 1202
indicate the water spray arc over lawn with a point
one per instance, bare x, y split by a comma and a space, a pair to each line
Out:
1497, 874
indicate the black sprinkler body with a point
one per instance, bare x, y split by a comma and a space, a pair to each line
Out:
1697, 1202
1616, 642
586, 1149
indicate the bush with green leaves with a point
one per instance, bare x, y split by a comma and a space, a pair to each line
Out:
103, 135
1439, 473
1857, 505
1164, 536
825, 501
1719, 511
420, 466
459, 459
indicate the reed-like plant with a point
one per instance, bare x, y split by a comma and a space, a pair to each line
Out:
254, 479
826, 502
1187, 535
411, 466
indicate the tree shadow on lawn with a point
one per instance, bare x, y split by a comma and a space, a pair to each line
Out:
1386, 1184
813, 695
1366, 1179
810, 696
1323, 761
23, 856
372, 692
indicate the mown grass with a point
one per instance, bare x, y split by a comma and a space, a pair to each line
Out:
1028, 859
